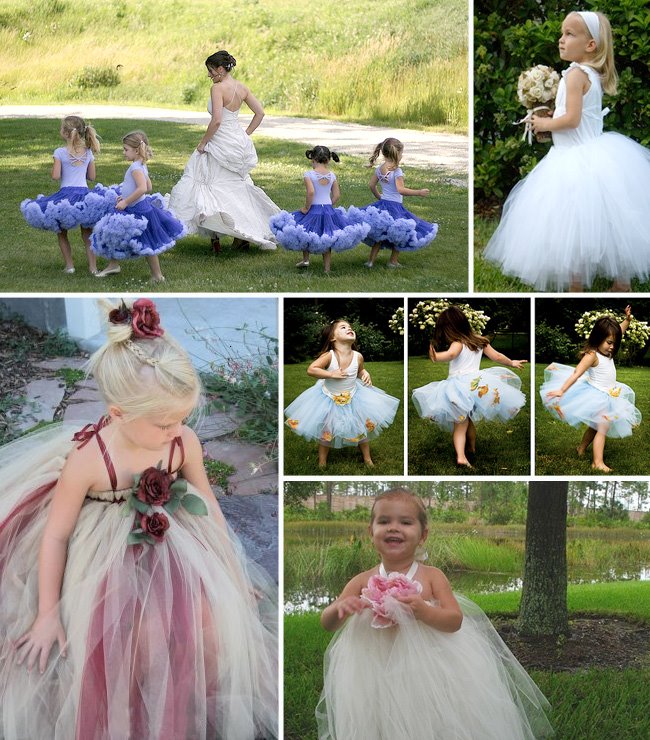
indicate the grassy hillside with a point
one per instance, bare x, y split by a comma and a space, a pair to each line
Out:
398, 62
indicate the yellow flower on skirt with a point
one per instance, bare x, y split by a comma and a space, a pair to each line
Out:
342, 399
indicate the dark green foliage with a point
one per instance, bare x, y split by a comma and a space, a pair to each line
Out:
91, 77
553, 345
511, 37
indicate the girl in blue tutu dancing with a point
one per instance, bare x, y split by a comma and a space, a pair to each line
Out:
391, 225
585, 208
140, 225
469, 394
73, 204
343, 408
589, 394
318, 227
412, 659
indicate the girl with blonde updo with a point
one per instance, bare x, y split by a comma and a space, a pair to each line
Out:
73, 204
140, 226
126, 600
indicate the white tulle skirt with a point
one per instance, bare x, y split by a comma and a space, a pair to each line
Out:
493, 393
611, 411
414, 682
164, 641
583, 211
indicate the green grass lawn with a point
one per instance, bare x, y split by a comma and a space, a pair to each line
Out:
489, 279
387, 450
595, 704
556, 442
501, 449
396, 62
30, 259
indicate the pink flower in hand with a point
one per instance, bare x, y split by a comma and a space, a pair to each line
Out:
382, 593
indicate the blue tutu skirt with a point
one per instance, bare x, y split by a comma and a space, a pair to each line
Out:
69, 208
612, 411
143, 229
392, 226
322, 228
493, 393
345, 422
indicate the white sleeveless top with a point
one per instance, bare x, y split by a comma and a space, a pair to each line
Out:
602, 375
338, 388
468, 361
591, 120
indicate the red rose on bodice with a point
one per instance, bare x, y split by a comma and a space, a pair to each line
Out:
155, 525
154, 487
145, 320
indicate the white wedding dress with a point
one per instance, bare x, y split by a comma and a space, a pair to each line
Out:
216, 193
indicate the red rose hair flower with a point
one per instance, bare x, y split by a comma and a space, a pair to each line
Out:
145, 320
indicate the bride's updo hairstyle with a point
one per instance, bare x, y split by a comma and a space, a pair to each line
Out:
221, 59
141, 369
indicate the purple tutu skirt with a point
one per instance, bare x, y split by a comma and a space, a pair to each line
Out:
322, 228
392, 226
143, 229
69, 208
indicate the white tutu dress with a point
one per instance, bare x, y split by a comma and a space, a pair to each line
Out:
216, 193
414, 682
585, 208
164, 640
595, 399
341, 412
470, 393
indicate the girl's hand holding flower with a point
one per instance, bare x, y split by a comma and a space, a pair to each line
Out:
540, 122
417, 604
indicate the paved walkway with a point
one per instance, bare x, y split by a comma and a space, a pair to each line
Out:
448, 152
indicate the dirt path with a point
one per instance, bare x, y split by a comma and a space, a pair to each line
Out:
448, 152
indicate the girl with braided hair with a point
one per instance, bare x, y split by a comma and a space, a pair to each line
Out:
126, 606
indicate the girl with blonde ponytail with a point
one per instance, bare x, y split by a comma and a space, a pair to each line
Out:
128, 604
139, 226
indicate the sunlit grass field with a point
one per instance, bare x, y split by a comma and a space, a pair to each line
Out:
398, 62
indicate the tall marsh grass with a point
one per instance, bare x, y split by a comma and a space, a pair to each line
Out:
397, 62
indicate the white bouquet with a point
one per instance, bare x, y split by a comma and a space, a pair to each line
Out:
536, 90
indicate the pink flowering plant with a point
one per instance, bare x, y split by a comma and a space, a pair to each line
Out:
382, 593
155, 487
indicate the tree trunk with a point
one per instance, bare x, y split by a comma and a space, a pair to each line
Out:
544, 599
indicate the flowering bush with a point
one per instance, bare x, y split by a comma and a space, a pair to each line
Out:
425, 313
634, 338
382, 592
396, 321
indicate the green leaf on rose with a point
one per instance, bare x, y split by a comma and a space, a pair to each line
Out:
179, 486
173, 504
140, 505
194, 504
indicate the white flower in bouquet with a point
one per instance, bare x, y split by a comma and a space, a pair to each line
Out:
536, 90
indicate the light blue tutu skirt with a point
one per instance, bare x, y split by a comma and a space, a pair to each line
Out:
493, 393
344, 422
612, 411
143, 229
322, 228
69, 208
392, 226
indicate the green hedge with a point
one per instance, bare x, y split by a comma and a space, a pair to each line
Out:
511, 37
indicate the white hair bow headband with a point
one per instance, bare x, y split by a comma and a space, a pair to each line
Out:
593, 24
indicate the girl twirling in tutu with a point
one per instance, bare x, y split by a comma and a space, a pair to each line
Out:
391, 225
126, 609
318, 227
413, 660
585, 209
342, 408
74, 204
597, 400
140, 226
469, 394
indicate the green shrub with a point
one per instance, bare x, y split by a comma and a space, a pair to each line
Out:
553, 345
91, 77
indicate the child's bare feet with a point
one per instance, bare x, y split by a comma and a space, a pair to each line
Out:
602, 467
369, 463
463, 462
619, 287
580, 450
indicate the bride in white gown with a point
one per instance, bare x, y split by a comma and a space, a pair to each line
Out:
216, 193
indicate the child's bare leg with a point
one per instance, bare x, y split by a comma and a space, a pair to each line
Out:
154, 266
374, 251
365, 451
327, 260
598, 451
66, 250
471, 437
587, 439
305, 259
323, 452
90, 255
575, 285
459, 437
620, 286
394, 254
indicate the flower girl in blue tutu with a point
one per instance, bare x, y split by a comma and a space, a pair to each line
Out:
412, 659
391, 225
342, 409
318, 227
469, 394
140, 225
589, 394
73, 204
